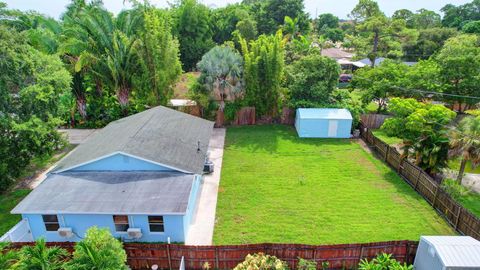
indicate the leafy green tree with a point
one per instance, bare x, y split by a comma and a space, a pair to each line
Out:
98, 250
424, 76
425, 18
159, 57
326, 21
422, 127
406, 15
380, 83
429, 42
193, 30
222, 69
465, 143
334, 34
270, 14
472, 27
311, 80
226, 19
247, 28
459, 62
41, 257
457, 16
263, 72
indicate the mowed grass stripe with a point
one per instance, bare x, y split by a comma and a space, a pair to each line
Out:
276, 187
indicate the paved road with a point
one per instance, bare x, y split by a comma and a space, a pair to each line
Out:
203, 222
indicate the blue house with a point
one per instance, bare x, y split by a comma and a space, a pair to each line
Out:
139, 176
323, 123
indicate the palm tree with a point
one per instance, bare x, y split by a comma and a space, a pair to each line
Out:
41, 257
465, 143
222, 69
7, 258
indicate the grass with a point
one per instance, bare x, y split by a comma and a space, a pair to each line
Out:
471, 201
7, 202
276, 187
382, 135
454, 164
10, 198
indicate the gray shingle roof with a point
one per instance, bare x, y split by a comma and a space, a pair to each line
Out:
109, 193
160, 134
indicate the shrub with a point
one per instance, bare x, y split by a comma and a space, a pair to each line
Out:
41, 257
383, 262
7, 258
99, 250
454, 188
262, 262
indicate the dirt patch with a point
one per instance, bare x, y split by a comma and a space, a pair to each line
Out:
183, 85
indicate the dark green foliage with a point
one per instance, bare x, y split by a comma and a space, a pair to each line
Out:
326, 21
472, 27
227, 19
31, 87
41, 257
458, 16
334, 34
428, 43
193, 30
311, 80
270, 14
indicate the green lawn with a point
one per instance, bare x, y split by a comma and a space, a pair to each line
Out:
454, 164
471, 201
276, 187
7, 202
379, 133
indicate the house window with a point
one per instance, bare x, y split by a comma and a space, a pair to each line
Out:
121, 223
155, 223
51, 222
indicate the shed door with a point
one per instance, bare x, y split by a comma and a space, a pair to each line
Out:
332, 128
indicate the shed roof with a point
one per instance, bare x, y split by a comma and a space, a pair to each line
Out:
324, 113
160, 135
459, 251
336, 53
109, 193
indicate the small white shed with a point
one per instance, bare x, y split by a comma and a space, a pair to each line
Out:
323, 123
447, 253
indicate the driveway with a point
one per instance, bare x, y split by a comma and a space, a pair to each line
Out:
203, 222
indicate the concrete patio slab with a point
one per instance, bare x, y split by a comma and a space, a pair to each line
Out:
203, 222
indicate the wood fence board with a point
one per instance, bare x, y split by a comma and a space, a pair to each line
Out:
460, 218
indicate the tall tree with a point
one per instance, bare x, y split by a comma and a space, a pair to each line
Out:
193, 30
377, 34
429, 42
465, 143
459, 62
263, 69
159, 57
311, 80
458, 16
326, 21
425, 18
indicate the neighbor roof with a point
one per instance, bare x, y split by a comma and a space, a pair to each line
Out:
379, 60
160, 135
109, 193
324, 113
336, 53
456, 251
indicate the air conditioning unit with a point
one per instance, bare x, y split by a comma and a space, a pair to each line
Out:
134, 233
65, 232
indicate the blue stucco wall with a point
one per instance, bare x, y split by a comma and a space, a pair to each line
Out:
119, 162
192, 203
318, 128
174, 227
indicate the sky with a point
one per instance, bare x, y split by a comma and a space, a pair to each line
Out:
340, 8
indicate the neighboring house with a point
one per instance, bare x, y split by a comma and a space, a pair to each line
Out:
379, 60
336, 53
139, 176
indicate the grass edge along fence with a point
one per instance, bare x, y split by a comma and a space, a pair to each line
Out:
169, 256
457, 216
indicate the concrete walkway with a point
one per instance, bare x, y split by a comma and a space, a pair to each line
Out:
203, 222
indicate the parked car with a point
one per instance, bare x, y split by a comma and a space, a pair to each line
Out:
345, 78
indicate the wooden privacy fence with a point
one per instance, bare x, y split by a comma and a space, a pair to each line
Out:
169, 256
461, 219
373, 121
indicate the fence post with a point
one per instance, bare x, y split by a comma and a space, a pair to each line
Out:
386, 154
217, 265
458, 217
435, 196
418, 179
169, 258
